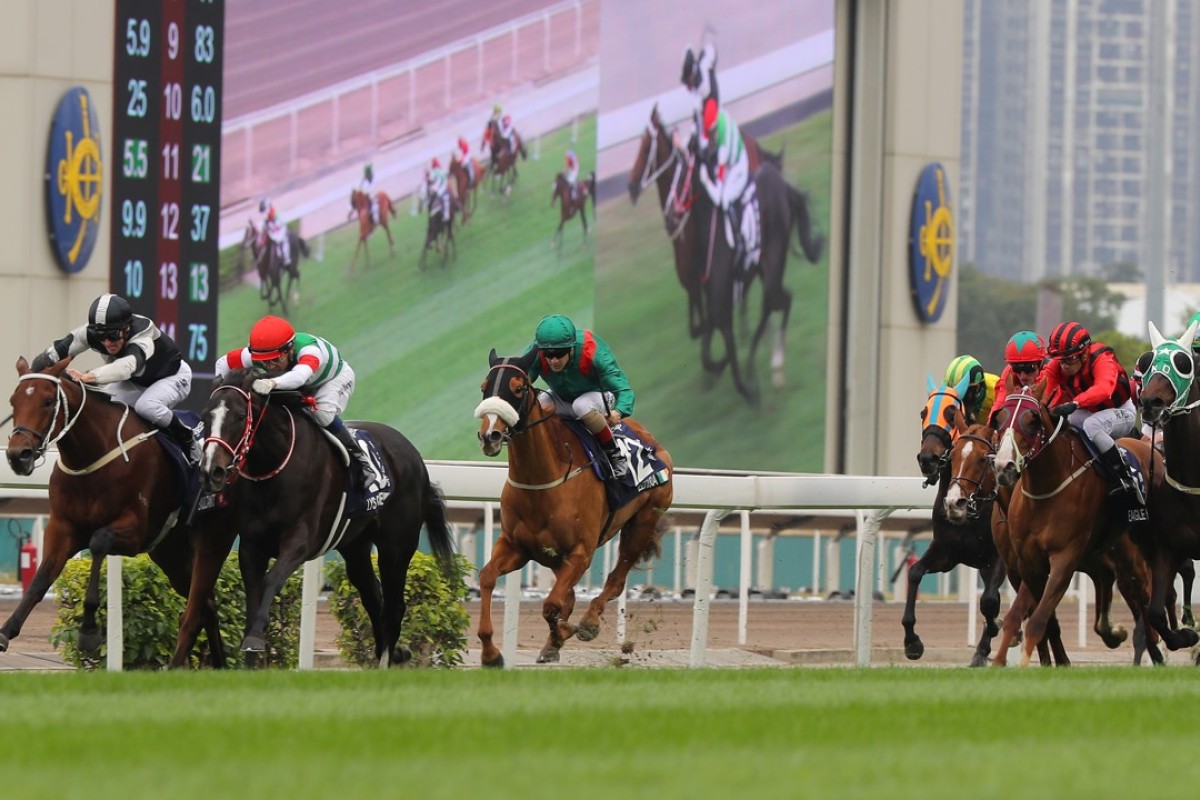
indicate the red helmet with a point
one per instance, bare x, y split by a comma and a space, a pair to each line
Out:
1068, 338
436, 164
1025, 347
270, 338
710, 115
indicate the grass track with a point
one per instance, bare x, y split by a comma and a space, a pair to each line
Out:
938, 733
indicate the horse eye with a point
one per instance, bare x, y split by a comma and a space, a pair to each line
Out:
924, 413
950, 413
1182, 363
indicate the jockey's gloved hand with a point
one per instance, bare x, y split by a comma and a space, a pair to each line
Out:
263, 386
1064, 409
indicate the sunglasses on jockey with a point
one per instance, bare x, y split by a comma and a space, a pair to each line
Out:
107, 334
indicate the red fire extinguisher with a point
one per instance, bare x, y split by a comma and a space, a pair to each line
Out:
29, 564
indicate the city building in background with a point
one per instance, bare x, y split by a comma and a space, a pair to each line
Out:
1078, 151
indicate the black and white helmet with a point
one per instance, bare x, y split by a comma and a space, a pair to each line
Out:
109, 313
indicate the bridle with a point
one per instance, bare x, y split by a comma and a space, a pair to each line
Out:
525, 407
677, 203
941, 424
42, 440
1039, 444
241, 449
975, 498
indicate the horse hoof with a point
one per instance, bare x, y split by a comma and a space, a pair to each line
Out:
254, 644
914, 650
90, 641
549, 656
978, 660
587, 631
1115, 638
3, 643
1190, 637
497, 664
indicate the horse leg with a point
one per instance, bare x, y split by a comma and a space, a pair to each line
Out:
1187, 571
361, 574
393, 577
90, 637
505, 559
290, 558
212, 545
558, 605
1162, 575
1010, 630
989, 606
59, 545
747, 388
1133, 581
391, 241
1113, 636
1054, 637
639, 537
914, 648
1062, 568
777, 352
557, 243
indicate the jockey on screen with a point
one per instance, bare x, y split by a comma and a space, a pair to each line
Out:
726, 177
303, 361
700, 78
143, 367
439, 189
367, 187
585, 381
273, 230
462, 154
572, 173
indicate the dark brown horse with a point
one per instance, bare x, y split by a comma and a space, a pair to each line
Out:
1170, 394
439, 229
272, 267
962, 512
553, 508
113, 492
286, 482
1061, 519
572, 203
466, 188
502, 166
360, 206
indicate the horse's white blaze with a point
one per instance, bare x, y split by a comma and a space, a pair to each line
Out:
216, 430
1006, 453
955, 492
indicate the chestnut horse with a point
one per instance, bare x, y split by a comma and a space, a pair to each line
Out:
465, 189
572, 203
1061, 520
113, 492
553, 509
961, 530
1169, 397
287, 495
502, 166
360, 205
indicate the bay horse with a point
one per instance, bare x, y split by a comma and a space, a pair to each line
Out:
961, 517
360, 206
553, 508
466, 188
271, 267
1061, 520
114, 491
1169, 397
572, 203
439, 231
286, 484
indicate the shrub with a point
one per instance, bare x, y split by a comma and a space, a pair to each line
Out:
435, 623
152, 611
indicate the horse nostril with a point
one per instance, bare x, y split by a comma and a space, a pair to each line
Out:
493, 437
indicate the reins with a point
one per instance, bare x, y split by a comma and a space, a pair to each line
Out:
241, 450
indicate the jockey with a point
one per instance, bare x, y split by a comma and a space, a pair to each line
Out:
508, 133
1024, 356
1101, 396
367, 187
142, 366
462, 154
700, 78
981, 388
572, 174
273, 230
303, 361
729, 185
585, 382
439, 188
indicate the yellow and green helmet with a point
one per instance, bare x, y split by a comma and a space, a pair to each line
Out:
964, 367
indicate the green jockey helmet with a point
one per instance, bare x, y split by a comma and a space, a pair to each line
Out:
961, 367
554, 331
1195, 342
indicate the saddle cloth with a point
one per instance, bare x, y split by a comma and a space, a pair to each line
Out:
379, 485
646, 469
1135, 469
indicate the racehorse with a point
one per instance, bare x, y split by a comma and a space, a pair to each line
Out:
553, 509
114, 491
360, 204
466, 189
1169, 396
439, 231
572, 203
502, 167
286, 483
961, 533
270, 266
1061, 521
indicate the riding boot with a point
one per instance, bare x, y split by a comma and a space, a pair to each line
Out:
187, 438
360, 465
1126, 483
617, 459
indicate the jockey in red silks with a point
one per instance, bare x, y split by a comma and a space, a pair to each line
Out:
1024, 357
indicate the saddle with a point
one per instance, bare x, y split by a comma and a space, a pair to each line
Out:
380, 485
1135, 470
646, 469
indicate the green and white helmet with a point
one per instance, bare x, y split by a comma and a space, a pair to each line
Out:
1195, 318
554, 331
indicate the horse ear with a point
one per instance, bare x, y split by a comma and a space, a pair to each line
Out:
930, 386
22, 365
1156, 338
1188, 337
492, 358
962, 386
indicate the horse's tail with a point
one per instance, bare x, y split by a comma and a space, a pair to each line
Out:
434, 516
520, 145
592, 192
811, 243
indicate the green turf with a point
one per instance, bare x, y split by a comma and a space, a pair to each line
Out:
897, 732
418, 342
642, 313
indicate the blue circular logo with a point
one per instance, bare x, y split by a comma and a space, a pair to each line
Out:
931, 244
74, 180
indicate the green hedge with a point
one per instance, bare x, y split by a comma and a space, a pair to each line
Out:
152, 611
435, 622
